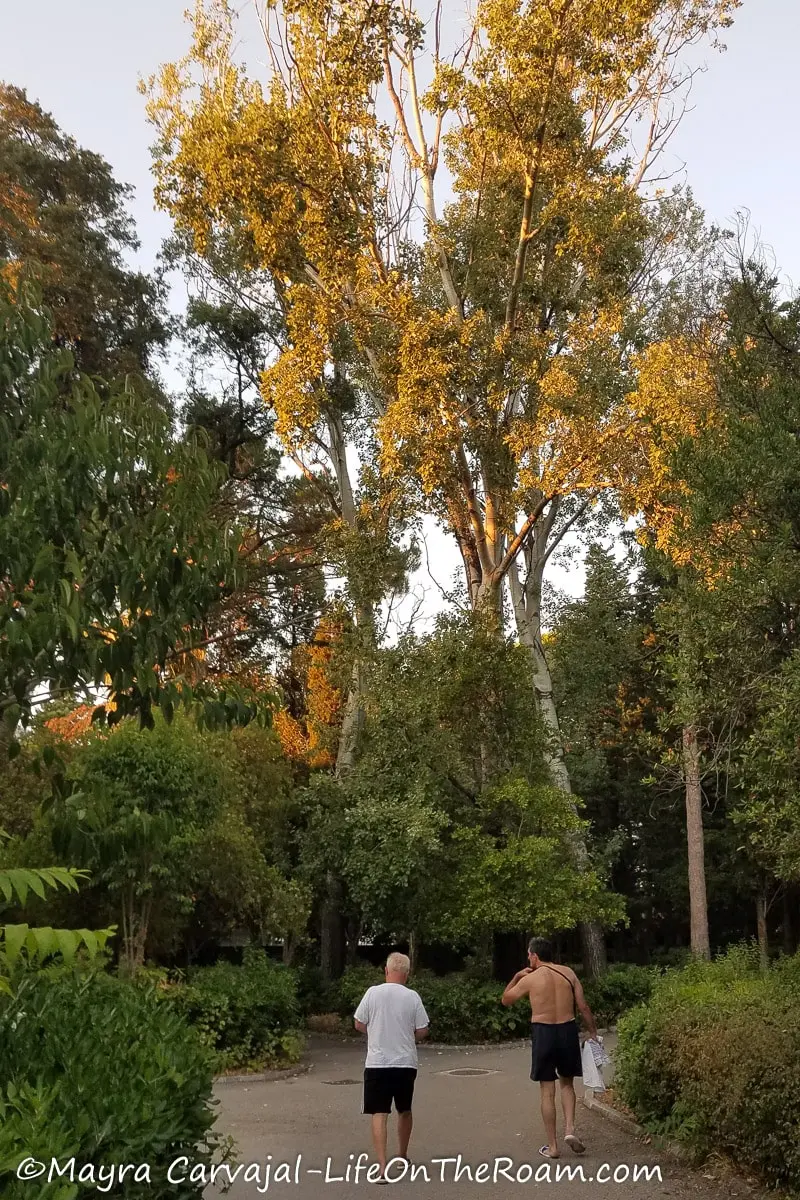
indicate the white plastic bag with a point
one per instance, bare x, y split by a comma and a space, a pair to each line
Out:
592, 1078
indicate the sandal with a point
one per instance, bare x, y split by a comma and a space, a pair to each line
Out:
575, 1144
545, 1153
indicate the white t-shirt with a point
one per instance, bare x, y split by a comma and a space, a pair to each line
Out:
391, 1013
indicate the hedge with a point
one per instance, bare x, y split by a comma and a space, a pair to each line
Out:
461, 1009
96, 1069
619, 989
249, 1015
714, 1061
464, 1009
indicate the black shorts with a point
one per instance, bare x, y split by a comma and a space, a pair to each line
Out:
382, 1085
555, 1048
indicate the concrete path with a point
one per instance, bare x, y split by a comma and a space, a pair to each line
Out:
486, 1118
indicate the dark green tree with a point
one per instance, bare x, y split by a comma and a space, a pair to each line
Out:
64, 216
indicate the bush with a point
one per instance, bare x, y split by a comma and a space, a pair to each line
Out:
619, 989
461, 1010
344, 993
248, 1015
715, 1062
94, 1068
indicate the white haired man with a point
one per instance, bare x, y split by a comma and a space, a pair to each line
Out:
394, 1020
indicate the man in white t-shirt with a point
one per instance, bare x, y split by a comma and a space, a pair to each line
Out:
394, 1020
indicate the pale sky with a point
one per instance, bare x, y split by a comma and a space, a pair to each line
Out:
82, 58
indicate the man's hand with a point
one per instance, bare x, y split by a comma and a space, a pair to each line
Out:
513, 990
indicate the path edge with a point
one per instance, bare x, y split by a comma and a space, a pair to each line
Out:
627, 1125
272, 1076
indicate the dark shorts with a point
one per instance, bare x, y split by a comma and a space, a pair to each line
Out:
382, 1085
555, 1049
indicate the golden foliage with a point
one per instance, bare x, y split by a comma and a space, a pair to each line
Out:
675, 400
74, 725
311, 740
491, 338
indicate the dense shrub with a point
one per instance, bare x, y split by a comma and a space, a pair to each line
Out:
248, 1015
619, 989
94, 1068
461, 1010
344, 994
464, 1009
715, 1061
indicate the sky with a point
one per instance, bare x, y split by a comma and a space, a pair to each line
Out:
738, 145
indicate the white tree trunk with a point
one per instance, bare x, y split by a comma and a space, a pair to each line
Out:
332, 917
527, 604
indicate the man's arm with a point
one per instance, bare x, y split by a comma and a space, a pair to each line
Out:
517, 988
584, 1010
361, 1015
421, 1034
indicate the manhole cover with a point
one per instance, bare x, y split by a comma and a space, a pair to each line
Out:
462, 1071
335, 1081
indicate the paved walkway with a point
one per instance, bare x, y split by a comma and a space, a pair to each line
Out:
483, 1118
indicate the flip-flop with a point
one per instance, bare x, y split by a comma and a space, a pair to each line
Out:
575, 1144
545, 1153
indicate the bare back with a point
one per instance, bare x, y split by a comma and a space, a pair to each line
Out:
550, 991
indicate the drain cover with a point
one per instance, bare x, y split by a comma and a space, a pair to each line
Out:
335, 1081
462, 1071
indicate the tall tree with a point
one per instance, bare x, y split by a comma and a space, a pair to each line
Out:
64, 215
722, 405
488, 338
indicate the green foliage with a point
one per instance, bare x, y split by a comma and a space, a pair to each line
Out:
111, 555
715, 1061
461, 1010
344, 994
163, 821
249, 1015
450, 806
465, 1009
767, 814
618, 990
20, 944
98, 1069
733, 624
64, 218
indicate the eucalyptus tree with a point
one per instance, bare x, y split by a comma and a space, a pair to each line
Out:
457, 236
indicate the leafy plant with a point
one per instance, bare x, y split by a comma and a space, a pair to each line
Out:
248, 1015
618, 990
96, 1068
22, 943
714, 1060
461, 1010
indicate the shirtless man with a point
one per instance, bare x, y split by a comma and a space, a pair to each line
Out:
554, 992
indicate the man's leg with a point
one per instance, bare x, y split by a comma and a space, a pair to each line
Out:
380, 1122
405, 1123
548, 1089
568, 1105
403, 1099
